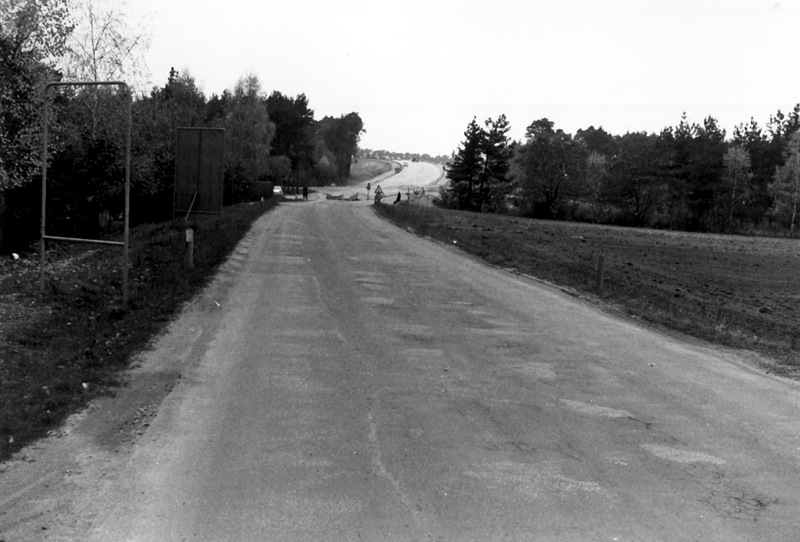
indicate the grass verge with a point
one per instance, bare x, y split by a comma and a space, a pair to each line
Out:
367, 168
734, 291
68, 345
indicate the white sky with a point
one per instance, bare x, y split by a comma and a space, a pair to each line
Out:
417, 71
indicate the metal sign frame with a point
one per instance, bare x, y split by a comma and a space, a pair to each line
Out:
44, 237
198, 171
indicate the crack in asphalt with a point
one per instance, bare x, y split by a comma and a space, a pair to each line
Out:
727, 498
647, 425
740, 506
560, 449
523, 447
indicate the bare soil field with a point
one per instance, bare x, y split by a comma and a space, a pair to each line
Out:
736, 291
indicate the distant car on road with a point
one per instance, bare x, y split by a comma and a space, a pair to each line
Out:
277, 190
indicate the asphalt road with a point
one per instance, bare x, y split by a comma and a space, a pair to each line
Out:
365, 384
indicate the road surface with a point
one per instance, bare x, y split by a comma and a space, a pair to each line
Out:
344, 380
414, 175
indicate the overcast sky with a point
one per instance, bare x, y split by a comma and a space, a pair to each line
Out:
417, 71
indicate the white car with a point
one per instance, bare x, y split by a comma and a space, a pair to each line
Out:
277, 190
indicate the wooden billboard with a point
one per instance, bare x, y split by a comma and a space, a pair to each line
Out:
199, 170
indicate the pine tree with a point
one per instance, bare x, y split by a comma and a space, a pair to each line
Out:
497, 154
466, 169
479, 169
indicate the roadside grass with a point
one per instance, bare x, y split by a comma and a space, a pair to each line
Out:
79, 336
367, 168
742, 300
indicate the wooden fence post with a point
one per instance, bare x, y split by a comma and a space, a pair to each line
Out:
601, 263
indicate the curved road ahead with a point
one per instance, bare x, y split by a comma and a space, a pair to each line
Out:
414, 175
345, 380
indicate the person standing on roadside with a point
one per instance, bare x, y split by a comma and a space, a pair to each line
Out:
305, 193
368, 187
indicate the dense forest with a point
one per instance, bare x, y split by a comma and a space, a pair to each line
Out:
687, 177
268, 137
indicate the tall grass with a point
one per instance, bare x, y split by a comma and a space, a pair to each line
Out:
85, 336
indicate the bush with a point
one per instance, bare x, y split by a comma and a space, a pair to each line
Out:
261, 189
446, 200
325, 174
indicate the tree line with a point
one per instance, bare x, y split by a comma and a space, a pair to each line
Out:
413, 156
269, 137
687, 177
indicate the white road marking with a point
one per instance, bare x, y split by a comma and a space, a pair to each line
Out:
537, 480
681, 456
378, 301
380, 468
596, 410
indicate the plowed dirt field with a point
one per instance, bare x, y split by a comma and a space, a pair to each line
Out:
732, 290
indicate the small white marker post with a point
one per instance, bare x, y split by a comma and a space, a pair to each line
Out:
190, 248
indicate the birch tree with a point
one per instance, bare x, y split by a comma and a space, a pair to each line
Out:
108, 43
248, 135
785, 187
737, 178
